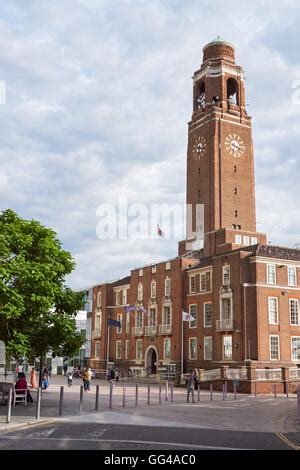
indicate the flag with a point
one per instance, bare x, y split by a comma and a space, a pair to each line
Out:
129, 308
142, 309
187, 316
112, 322
160, 233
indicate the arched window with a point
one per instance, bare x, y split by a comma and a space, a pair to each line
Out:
201, 98
140, 291
232, 92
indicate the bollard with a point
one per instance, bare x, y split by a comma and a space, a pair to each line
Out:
136, 394
148, 395
234, 391
223, 390
97, 398
211, 391
172, 393
298, 405
275, 394
81, 399
167, 391
9, 406
124, 391
198, 392
287, 390
159, 394
61, 400
111, 386
38, 404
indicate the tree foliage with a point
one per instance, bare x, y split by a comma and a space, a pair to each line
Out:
37, 309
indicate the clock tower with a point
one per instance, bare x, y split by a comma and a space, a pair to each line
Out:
220, 166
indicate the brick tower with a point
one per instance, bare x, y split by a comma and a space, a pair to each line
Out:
220, 166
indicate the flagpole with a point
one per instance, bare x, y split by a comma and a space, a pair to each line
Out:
107, 353
181, 342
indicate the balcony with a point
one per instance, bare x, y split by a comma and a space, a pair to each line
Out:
137, 331
150, 330
164, 329
96, 334
224, 325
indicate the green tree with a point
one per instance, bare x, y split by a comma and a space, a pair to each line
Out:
37, 309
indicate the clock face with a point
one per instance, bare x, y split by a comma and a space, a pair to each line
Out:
199, 147
234, 145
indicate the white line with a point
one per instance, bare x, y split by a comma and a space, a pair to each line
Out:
126, 441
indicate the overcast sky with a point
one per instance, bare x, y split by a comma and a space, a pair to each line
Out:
98, 96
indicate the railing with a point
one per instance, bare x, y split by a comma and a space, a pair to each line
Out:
236, 374
268, 374
137, 330
224, 325
96, 334
165, 329
213, 374
150, 330
294, 373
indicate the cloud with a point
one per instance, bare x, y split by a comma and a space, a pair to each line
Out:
98, 99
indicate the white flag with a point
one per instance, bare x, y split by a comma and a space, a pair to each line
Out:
187, 316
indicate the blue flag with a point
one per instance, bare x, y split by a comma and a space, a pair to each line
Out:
112, 322
142, 309
129, 308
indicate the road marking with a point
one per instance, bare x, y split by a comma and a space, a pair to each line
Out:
179, 444
287, 441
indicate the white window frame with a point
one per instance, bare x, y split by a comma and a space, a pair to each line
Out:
153, 289
167, 340
297, 313
98, 322
294, 269
196, 348
254, 241
238, 239
168, 265
277, 358
293, 358
153, 269
208, 341
127, 322
152, 319
125, 296
271, 312
191, 313
192, 281
99, 299
223, 348
120, 319
139, 319
127, 349
225, 275
140, 272
203, 276
273, 266
164, 316
167, 287
118, 297
139, 354
97, 345
246, 240
204, 315
118, 349
140, 292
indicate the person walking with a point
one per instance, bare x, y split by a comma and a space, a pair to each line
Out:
190, 386
65, 368
196, 378
33, 380
87, 377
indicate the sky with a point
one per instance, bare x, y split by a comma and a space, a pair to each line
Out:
98, 97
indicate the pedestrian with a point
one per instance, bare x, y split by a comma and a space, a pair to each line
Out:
50, 370
86, 377
65, 368
33, 380
190, 386
117, 375
21, 385
196, 378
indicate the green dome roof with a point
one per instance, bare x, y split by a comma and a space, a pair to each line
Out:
218, 40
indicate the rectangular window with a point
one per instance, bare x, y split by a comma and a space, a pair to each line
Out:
140, 272
193, 348
271, 274
246, 240
273, 310
99, 298
153, 289
127, 349
153, 269
140, 292
227, 348
139, 318
167, 316
294, 311
208, 315
208, 281
124, 297
238, 239
167, 348
193, 312
207, 348
203, 282
226, 310
97, 349
98, 324
118, 349
168, 265
295, 348
118, 298
167, 287
152, 317
139, 349
274, 347
226, 275
127, 322
192, 284
119, 318
292, 276
253, 241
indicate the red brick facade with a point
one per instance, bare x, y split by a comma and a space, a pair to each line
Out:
244, 293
